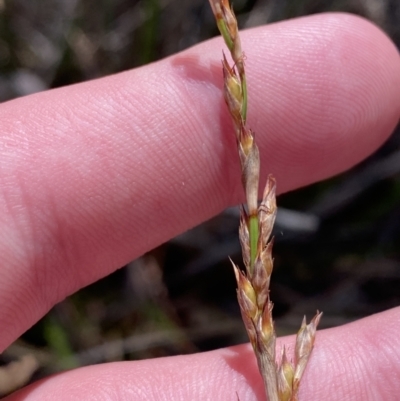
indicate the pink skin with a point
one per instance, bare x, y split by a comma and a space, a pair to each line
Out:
95, 174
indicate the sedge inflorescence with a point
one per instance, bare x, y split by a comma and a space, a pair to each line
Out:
282, 378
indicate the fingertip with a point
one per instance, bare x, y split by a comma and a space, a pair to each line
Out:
326, 99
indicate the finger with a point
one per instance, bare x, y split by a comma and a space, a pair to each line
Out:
93, 175
355, 362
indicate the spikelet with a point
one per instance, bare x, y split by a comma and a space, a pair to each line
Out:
281, 380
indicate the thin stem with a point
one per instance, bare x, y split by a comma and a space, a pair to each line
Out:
254, 235
223, 29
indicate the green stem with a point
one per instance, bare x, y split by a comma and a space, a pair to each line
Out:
253, 233
225, 34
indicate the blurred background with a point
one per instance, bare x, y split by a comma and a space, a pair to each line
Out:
337, 243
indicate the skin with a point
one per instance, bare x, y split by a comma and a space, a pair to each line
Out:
95, 174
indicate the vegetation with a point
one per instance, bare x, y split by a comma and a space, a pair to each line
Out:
336, 243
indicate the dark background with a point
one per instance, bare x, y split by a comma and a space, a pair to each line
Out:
337, 243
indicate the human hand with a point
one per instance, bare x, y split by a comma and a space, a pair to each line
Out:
93, 175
